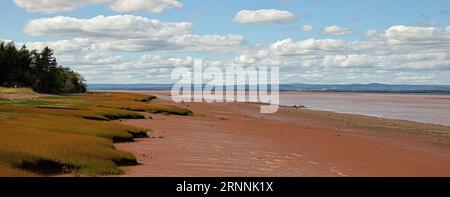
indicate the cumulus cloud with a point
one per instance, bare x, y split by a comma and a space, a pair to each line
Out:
289, 47
120, 26
401, 35
264, 16
132, 33
153, 6
335, 30
399, 54
218, 43
62, 46
54, 6
397, 47
147, 68
372, 34
183, 43
58, 6
375, 58
211, 44
307, 28
152, 62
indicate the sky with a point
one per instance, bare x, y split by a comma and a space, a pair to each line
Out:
311, 41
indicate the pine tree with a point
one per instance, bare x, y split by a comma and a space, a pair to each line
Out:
38, 70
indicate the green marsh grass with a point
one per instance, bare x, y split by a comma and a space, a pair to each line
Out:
50, 135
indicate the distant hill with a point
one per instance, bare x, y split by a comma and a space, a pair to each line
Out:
374, 87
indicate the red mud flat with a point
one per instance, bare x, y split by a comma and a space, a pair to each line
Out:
233, 139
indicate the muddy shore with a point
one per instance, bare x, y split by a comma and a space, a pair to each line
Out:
234, 139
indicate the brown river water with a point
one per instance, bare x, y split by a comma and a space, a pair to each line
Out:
427, 108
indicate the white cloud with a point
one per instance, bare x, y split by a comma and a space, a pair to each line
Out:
372, 34
132, 33
153, 6
421, 36
120, 26
54, 6
263, 16
217, 43
335, 30
289, 47
406, 54
420, 51
182, 43
62, 46
307, 28
210, 44
358, 54
58, 6
147, 68
151, 62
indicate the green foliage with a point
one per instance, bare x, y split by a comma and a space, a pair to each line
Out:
39, 70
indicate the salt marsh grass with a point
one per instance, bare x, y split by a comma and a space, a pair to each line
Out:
49, 135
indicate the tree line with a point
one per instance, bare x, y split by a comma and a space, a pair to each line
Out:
20, 67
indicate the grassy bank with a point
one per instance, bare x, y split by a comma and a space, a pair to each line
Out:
48, 134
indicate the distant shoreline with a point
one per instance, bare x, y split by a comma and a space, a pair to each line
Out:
351, 88
284, 92
417, 107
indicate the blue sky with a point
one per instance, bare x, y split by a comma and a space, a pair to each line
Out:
397, 24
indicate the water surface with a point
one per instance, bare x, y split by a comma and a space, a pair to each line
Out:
427, 108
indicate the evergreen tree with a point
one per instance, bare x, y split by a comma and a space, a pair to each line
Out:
39, 70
